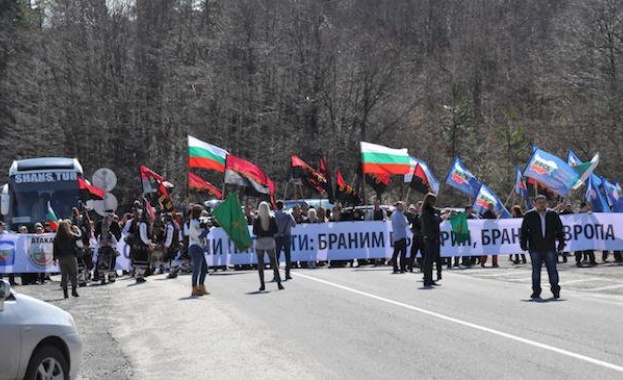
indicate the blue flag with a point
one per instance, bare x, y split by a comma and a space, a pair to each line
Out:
613, 195
595, 198
521, 188
573, 159
551, 171
462, 179
485, 197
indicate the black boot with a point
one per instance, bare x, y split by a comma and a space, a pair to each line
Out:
74, 293
262, 286
65, 293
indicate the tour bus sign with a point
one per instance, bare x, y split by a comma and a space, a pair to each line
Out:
46, 177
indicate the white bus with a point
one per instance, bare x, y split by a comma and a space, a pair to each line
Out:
33, 183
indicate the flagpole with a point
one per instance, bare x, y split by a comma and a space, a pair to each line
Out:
509, 197
402, 188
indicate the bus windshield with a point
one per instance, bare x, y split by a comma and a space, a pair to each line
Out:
30, 200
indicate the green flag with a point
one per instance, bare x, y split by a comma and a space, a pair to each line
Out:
233, 221
460, 227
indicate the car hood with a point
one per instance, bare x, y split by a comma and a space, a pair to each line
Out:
31, 311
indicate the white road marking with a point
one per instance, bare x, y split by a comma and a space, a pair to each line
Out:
577, 281
609, 287
469, 324
500, 273
523, 279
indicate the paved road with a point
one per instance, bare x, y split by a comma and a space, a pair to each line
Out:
353, 323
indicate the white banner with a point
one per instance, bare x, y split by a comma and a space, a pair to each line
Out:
345, 241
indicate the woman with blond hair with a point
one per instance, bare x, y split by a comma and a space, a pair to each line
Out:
264, 229
64, 252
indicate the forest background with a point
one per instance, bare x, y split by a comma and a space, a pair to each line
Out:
119, 84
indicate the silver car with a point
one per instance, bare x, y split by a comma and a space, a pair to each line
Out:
37, 340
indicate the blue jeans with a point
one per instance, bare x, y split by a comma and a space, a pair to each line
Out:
200, 267
284, 243
549, 258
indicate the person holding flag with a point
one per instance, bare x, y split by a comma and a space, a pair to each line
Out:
431, 233
399, 236
196, 235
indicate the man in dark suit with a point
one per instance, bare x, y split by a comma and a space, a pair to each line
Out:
540, 230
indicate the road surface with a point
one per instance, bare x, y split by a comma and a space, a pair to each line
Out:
353, 323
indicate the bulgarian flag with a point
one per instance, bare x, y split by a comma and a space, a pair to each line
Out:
378, 159
52, 218
205, 156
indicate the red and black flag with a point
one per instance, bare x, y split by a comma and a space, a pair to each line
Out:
344, 192
88, 191
309, 176
244, 173
199, 184
155, 183
419, 182
323, 168
378, 182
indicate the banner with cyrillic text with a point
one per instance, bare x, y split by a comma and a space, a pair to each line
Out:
369, 240
345, 241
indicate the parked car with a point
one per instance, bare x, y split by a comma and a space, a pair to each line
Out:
37, 340
315, 203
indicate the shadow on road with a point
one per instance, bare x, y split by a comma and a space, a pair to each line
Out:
189, 298
257, 292
544, 300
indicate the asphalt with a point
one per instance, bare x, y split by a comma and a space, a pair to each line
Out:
352, 323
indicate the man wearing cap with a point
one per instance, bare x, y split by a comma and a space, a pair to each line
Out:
399, 237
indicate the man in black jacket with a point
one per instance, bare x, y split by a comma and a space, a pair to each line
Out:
540, 230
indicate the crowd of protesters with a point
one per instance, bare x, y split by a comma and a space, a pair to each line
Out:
174, 242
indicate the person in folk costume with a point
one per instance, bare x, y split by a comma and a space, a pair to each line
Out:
84, 253
107, 234
170, 242
183, 259
141, 244
157, 236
